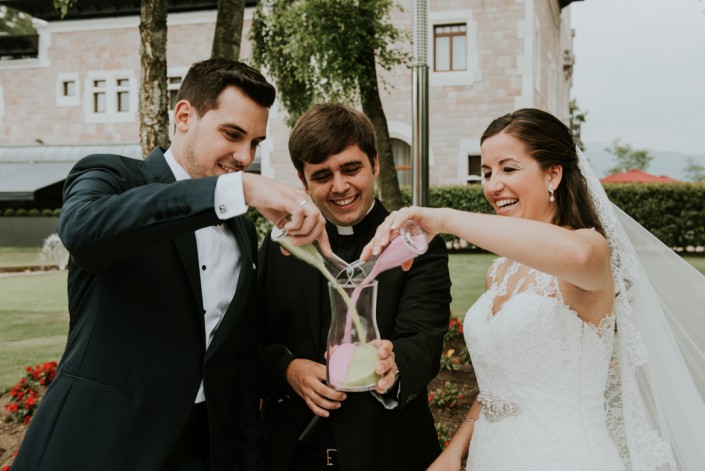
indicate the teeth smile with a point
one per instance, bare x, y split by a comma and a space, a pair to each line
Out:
344, 202
227, 168
505, 203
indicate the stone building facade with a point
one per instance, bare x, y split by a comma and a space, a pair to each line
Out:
486, 58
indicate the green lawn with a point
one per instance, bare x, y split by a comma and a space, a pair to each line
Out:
467, 273
33, 307
19, 256
35, 321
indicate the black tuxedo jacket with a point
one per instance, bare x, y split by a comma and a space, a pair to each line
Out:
136, 352
412, 311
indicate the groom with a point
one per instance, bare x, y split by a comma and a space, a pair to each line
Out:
333, 147
159, 371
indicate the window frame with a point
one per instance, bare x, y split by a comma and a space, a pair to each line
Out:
63, 100
471, 74
450, 35
112, 90
173, 72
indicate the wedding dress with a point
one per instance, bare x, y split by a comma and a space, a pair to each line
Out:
542, 374
561, 394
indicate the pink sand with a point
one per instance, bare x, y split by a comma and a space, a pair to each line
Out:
393, 256
351, 367
339, 363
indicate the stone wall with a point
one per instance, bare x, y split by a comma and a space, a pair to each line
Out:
26, 231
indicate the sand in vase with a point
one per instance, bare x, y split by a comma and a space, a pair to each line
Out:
352, 367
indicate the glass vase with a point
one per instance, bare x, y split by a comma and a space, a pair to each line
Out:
353, 337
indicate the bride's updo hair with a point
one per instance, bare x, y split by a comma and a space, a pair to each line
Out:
551, 143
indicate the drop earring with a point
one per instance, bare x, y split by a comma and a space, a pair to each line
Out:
550, 190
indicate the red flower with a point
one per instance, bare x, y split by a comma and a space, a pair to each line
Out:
11, 407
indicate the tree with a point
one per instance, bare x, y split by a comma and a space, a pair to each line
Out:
628, 158
15, 23
577, 118
318, 50
154, 108
695, 171
64, 5
228, 29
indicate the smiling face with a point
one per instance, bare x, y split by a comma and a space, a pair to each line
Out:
514, 182
224, 139
342, 186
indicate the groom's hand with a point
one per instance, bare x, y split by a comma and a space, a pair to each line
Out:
307, 378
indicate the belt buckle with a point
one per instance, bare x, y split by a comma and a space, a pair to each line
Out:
330, 456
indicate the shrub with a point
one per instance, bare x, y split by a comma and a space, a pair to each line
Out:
57, 212
47, 212
9, 212
448, 396
444, 435
33, 212
21, 213
262, 224
455, 330
449, 362
24, 395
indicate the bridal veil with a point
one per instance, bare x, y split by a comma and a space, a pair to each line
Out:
656, 386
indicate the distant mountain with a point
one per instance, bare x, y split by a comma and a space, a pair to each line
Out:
667, 163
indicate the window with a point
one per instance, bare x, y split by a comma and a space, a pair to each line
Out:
99, 96
454, 58
173, 83
474, 169
450, 47
123, 95
111, 97
402, 161
67, 89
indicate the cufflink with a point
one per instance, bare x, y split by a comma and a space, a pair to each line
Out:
222, 208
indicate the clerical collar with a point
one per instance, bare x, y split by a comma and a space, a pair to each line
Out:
350, 230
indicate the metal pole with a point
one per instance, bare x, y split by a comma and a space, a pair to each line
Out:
419, 148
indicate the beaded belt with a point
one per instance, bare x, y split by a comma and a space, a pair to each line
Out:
495, 408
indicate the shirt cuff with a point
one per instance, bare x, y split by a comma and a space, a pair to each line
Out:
390, 400
229, 196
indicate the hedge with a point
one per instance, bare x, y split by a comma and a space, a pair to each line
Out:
673, 212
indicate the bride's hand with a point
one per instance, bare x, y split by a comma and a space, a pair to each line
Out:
429, 219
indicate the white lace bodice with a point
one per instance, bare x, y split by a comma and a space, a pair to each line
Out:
531, 349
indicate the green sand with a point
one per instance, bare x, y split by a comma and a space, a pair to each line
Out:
362, 367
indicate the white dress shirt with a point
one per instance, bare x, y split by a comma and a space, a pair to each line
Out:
219, 256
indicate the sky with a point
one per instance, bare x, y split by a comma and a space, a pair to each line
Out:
640, 72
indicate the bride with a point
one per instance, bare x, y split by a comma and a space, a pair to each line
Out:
581, 364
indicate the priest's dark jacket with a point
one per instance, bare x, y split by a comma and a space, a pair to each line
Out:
136, 355
413, 310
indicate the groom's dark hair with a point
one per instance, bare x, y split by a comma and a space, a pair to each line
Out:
206, 80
